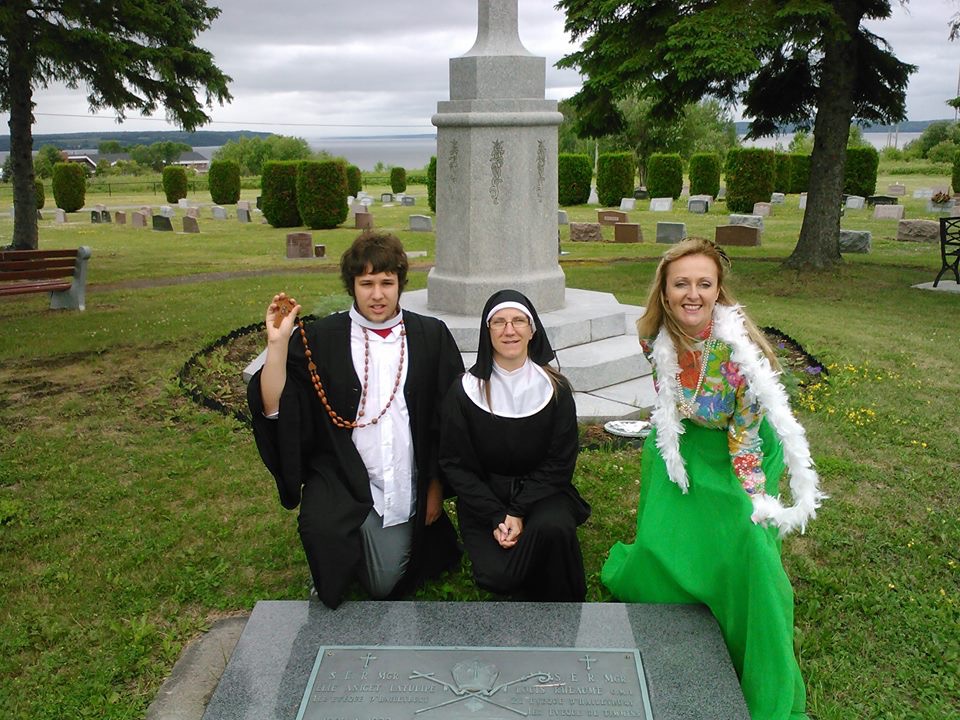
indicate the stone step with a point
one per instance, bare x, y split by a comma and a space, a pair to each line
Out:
603, 363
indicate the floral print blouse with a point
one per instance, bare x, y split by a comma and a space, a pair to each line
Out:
722, 404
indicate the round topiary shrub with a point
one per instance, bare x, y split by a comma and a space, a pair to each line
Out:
354, 180
749, 174
574, 174
432, 184
278, 193
705, 174
398, 179
224, 180
799, 173
39, 194
664, 175
615, 175
69, 186
860, 173
322, 193
174, 181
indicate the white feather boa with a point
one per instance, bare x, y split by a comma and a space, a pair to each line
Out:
764, 386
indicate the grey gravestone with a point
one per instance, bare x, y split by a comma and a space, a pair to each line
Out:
421, 223
627, 233
897, 189
167, 211
386, 197
408, 200
722, 193
60, 216
138, 219
363, 221
778, 198
243, 214
243, 205
105, 216
855, 202
611, 217
300, 245
888, 212
562, 218
874, 200
190, 224
749, 220
745, 235
855, 241
120, 217
706, 198
762, 209
918, 231
698, 206
803, 201
627, 204
184, 203
95, 217
483, 660
594, 199
671, 232
944, 208
193, 212
366, 202
162, 223
585, 232
661, 205
219, 213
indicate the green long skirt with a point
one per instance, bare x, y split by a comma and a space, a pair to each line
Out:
702, 548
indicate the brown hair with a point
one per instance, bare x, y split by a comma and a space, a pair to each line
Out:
658, 315
374, 252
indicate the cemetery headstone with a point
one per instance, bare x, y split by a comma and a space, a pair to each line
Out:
778, 198
366, 202
855, 202
762, 209
707, 198
874, 200
162, 223
661, 205
166, 211
60, 216
627, 233
743, 235
697, 206
414, 254
259, 199
421, 223
923, 193
749, 220
193, 212
138, 219
611, 217
627, 204
640, 194
562, 218
944, 208
408, 200
105, 216
386, 197
101, 208
671, 232
722, 193
918, 231
585, 232
363, 221
190, 224
855, 241
95, 217
803, 201
120, 217
319, 250
146, 210
300, 245
243, 214
593, 199
888, 212
184, 203
897, 189
219, 213
243, 205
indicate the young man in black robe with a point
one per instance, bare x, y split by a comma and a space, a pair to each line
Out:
346, 418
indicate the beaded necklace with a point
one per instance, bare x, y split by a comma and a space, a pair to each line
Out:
686, 406
321, 393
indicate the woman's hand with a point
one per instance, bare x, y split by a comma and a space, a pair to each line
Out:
280, 323
508, 532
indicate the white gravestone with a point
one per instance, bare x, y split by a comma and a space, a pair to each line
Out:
661, 205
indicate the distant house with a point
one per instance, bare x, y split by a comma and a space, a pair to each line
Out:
193, 160
87, 159
91, 159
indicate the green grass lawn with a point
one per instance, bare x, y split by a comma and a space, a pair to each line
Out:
131, 517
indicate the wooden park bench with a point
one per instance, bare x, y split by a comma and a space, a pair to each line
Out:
62, 273
949, 247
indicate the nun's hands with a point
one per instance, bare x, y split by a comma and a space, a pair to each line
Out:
508, 532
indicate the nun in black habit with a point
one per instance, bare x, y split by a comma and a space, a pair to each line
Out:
508, 449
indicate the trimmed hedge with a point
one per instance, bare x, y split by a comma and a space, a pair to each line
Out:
615, 175
574, 173
705, 174
278, 197
860, 174
955, 175
784, 172
354, 180
398, 179
664, 176
174, 181
39, 194
432, 183
69, 186
749, 173
224, 180
322, 193
799, 173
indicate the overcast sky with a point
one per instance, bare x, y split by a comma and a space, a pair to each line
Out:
319, 68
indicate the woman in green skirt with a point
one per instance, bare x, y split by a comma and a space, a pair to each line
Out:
710, 518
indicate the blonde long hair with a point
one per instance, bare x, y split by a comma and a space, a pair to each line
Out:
658, 315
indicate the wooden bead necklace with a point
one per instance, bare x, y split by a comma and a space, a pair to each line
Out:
321, 393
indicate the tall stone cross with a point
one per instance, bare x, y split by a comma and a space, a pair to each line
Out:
496, 174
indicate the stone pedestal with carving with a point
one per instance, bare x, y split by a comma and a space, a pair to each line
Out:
496, 174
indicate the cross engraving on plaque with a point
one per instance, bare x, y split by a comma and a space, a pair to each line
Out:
587, 660
368, 657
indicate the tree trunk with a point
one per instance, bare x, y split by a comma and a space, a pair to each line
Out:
819, 243
21, 142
